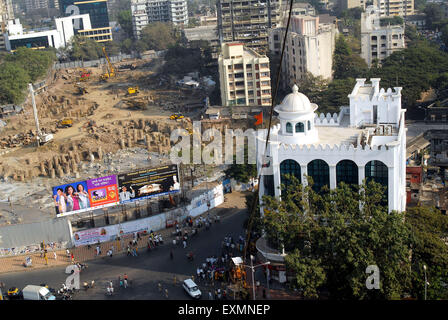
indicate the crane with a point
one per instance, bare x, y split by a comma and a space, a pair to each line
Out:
41, 137
111, 69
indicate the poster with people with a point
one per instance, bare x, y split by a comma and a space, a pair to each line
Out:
71, 198
148, 183
103, 191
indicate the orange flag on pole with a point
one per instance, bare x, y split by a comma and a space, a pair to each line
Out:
259, 118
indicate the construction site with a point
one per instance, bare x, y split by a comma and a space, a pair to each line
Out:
110, 118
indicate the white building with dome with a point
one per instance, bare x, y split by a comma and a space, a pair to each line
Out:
366, 140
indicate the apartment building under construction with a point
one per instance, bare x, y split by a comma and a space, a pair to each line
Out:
248, 21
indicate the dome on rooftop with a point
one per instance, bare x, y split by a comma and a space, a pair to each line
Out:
296, 102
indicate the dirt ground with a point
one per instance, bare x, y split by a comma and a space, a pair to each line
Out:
102, 123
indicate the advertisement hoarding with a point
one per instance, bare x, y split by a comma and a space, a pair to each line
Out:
71, 198
148, 183
103, 191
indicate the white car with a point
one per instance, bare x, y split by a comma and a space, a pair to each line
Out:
191, 288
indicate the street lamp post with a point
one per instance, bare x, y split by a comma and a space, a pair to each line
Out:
252, 267
426, 281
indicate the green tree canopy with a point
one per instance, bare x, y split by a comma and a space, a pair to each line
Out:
330, 240
347, 64
159, 36
13, 83
124, 18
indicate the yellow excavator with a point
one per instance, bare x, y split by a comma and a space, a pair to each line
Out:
111, 70
132, 91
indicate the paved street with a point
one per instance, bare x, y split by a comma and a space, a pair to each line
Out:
146, 270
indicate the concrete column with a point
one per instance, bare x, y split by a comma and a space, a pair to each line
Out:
392, 201
304, 171
277, 179
361, 174
333, 176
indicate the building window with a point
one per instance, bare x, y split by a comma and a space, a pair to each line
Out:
319, 171
300, 127
309, 125
289, 167
347, 172
377, 171
288, 127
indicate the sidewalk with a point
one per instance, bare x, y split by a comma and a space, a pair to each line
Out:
234, 201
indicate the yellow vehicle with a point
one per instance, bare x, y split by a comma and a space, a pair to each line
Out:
64, 123
81, 88
111, 70
133, 91
176, 116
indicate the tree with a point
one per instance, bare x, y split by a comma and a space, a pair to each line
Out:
429, 229
85, 49
159, 36
125, 20
331, 239
347, 64
13, 83
336, 95
434, 15
34, 62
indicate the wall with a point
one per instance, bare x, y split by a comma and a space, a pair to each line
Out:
32, 234
155, 223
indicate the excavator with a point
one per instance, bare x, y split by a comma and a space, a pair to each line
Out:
132, 91
111, 70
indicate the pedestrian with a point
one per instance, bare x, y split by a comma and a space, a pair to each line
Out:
159, 285
46, 258
72, 258
264, 293
171, 255
68, 253
125, 283
185, 244
55, 255
210, 296
97, 250
129, 250
166, 293
120, 281
134, 252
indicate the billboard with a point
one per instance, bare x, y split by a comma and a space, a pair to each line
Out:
86, 195
71, 198
103, 191
148, 183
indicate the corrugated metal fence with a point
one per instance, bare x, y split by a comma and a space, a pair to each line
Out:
93, 63
20, 236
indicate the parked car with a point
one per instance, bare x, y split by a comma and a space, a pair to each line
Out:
191, 288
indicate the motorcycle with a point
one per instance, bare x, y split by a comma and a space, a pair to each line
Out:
190, 256
87, 285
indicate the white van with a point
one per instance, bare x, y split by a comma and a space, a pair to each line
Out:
31, 292
191, 288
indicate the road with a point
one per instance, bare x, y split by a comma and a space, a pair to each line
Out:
145, 271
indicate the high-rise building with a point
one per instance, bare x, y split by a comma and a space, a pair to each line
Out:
309, 48
348, 4
378, 42
36, 4
394, 7
244, 76
99, 18
147, 11
248, 21
6, 13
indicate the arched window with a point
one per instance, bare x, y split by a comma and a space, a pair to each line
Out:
309, 125
289, 167
377, 171
300, 127
347, 172
288, 127
320, 172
